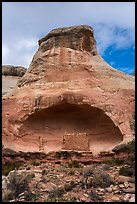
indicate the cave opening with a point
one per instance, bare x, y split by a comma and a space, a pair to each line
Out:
71, 127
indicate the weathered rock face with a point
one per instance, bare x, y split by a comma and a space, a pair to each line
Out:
69, 98
10, 76
77, 38
9, 70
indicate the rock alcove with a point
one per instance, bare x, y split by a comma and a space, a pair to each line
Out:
71, 127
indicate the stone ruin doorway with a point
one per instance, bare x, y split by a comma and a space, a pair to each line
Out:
84, 128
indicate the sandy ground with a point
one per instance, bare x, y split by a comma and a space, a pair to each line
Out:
8, 84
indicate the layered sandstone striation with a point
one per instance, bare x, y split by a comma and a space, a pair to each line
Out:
69, 98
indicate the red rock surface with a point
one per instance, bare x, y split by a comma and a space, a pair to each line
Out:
69, 89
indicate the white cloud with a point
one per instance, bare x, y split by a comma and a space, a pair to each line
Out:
108, 35
24, 23
104, 36
5, 52
19, 53
25, 43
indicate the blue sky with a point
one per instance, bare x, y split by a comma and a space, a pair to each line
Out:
24, 23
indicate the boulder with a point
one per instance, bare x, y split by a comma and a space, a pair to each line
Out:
123, 179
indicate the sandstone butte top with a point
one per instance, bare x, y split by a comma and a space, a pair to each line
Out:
75, 37
69, 98
67, 31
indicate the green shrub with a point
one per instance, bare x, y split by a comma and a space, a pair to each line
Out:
74, 164
101, 179
30, 176
71, 172
114, 162
64, 154
129, 147
94, 176
131, 160
44, 172
7, 195
31, 197
69, 186
105, 167
18, 183
94, 196
35, 163
126, 171
56, 193
88, 171
6, 168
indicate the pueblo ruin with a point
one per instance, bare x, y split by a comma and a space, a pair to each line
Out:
69, 98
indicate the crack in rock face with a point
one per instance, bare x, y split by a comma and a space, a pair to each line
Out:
69, 98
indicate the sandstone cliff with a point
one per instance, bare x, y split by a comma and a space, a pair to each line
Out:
69, 98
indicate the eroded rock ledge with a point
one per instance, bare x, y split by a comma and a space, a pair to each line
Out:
75, 37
